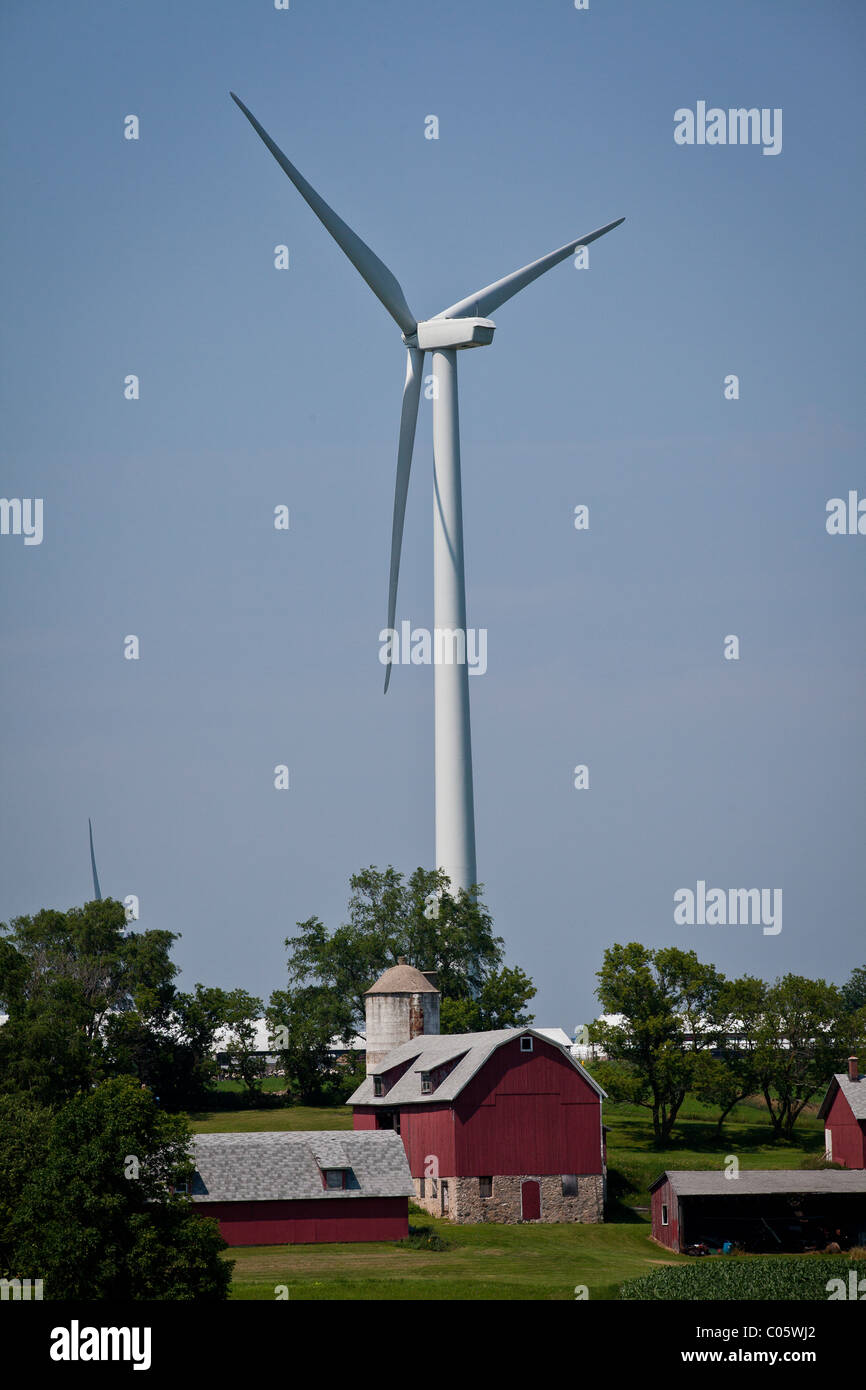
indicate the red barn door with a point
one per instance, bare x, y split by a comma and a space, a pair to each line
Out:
530, 1200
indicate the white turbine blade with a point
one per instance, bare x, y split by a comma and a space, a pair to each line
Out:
483, 302
380, 279
408, 420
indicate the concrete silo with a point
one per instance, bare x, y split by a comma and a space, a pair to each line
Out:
401, 1004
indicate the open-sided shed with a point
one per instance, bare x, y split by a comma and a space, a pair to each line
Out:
760, 1210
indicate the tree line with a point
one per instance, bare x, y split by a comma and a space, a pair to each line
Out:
685, 1028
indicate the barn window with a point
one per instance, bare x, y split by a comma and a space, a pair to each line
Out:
485, 1187
426, 1084
569, 1185
182, 1185
664, 1213
525, 1044
422, 1184
434, 1187
334, 1177
378, 1086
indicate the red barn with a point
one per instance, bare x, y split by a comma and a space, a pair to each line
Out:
303, 1187
497, 1126
843, 1111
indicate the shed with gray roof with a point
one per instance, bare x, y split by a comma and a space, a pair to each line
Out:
303, 1186
759, 1210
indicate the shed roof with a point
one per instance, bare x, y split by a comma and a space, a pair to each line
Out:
757, 1181
431, 1050
402, 979
262, 1167
853, 1091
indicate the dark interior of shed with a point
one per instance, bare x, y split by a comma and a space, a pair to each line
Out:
763, 1223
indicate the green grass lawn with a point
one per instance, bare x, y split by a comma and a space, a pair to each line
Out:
514, 1262
269, 1083
289, 1117
483, 1262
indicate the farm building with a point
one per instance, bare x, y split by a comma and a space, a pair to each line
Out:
843, 1111
497, 1126
303, 1187
760, 1210
225, 1047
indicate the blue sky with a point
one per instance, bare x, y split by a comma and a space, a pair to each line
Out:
603, 387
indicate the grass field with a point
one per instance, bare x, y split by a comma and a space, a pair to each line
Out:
291, 1117
269, 1084
483, 1262
513, 1262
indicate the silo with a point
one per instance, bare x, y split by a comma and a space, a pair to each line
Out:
401, 1004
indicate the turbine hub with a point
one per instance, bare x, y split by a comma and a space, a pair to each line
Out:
451, 333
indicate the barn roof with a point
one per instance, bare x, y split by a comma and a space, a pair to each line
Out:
431, 1050
713, 1183
853, 1091
270, 1167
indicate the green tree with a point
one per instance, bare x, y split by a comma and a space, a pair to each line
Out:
93, 1213
169, 1045
500, 1003
804, 1035
664, 999
303, 1021
731, 1074
25, 1130
388, 917
239, 1012
86, 1001
854, 991
62, 976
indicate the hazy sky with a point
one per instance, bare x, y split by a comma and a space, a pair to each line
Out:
604, 387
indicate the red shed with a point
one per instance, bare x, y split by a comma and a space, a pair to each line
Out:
759, 1210
303, 1187
497, 1126
843, 1111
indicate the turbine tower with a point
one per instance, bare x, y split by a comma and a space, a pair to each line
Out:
460, 326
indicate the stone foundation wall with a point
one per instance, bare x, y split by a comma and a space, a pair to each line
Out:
467, 1206
433, 1205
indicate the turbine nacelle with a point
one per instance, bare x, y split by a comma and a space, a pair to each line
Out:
433, 334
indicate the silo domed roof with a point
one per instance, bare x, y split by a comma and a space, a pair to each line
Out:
402, 979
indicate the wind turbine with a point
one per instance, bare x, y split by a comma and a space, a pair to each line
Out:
462, 325
97, 895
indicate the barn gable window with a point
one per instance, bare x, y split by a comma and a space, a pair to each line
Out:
426, 1084
485, 1187
334, 1178
526, 1044
569, 1185
664, 1213
378, 1086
